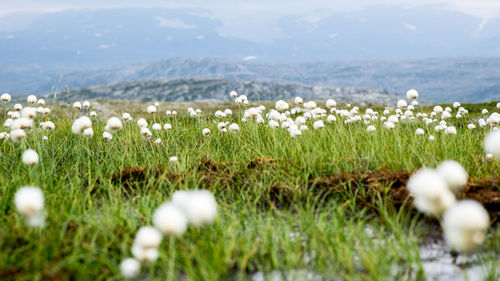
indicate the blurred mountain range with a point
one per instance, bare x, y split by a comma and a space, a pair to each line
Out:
382, 47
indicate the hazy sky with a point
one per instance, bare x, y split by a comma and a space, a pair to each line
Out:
240, 17
483, 8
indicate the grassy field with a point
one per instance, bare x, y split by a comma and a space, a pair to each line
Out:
330, 204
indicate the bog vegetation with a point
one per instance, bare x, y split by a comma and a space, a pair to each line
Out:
322, 190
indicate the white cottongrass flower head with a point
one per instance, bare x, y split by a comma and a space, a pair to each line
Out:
173, 159
29, 202
330, 103
156, 127
114, 124
157, 141
233, 94
484, 111
17, 135
18, 107
318, 125
77, 105
81, 124
401, 104
454, 175
30, 157
130, 268
107, 136
127, 117
167, 127
142, 123
88, 133
199, 206
371, 129
28, 112
492, 144
93, 114
431, 138
465, 226
86, 104
5, 98
170, 220
151, 109
299, 101
419, 132
451, 130
206, 132
430, 192
281, 105
234, 128
48, 125
145, 132
331, 119
294, 131
412, 94
146, 242
31, 99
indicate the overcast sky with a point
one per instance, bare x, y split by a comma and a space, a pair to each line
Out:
240, 16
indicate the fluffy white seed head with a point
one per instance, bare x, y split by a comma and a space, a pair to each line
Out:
18, 107
318, 125
31, 99
454, 175
114, 124
234, 128
81, 124
30, 157
170, 220
107, 136
93, 114
142, 123
430, 192
144, 254
167, 127
371, 129
233, 94
28, 112
419, 132
173, 159
5, 98
77, 105
299, 101
401, 104
281, 105
148, 237
206, 132
492, 144
17, 135
88, 132
412, 94
86, 104
199, 206
145, 132
156, 127
465, 225
331, 103
130, 268
29, 200
151, 109
126, 116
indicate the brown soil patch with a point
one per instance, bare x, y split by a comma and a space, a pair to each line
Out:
366, 186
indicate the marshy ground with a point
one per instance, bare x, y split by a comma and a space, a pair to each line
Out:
331, 204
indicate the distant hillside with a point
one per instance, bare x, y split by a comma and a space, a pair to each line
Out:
438, 80
218, 90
